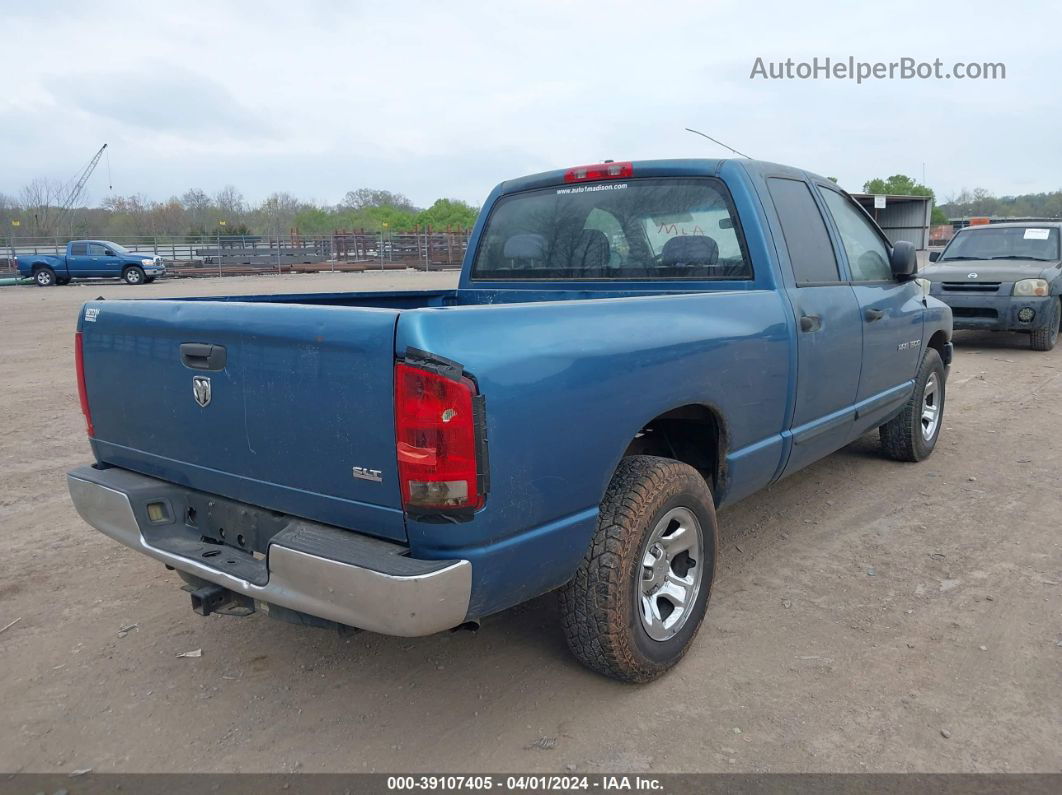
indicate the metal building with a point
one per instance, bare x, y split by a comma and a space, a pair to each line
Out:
902, 217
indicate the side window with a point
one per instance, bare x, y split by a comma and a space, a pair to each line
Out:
96, 250
78, 249
810, 249
868, 256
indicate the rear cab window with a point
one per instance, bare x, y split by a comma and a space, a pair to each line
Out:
641, 229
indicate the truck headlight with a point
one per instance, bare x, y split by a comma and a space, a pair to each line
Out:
1031, 287
147, 261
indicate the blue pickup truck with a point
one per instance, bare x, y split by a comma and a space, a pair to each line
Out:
631, 346
91, 259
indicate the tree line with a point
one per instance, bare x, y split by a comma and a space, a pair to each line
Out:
979, 202
36, 211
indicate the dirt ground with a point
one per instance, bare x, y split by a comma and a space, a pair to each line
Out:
868, 615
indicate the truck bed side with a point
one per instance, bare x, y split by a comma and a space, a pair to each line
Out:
568, 385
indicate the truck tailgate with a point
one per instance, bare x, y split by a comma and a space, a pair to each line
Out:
304, 397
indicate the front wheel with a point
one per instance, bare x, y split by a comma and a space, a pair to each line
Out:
1044, 338
44, 277
134, 275
641, 592
912, 434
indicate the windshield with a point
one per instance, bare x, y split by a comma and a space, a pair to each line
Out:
1007, 242
115, 247
669, 228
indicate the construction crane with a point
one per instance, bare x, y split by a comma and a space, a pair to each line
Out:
75, 192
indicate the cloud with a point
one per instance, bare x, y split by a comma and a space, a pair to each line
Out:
161, 97
448, 99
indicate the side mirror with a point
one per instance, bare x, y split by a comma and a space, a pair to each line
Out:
934, 256
109, 253
903, 261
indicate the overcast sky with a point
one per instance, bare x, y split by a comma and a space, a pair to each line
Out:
449, 98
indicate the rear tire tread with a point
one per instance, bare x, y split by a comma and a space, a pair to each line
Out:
594, 604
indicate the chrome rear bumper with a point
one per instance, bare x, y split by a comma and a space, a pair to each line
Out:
367, 593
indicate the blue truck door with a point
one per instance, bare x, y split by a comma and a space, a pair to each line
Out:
102, 264
892, 313
78, 262
829, 337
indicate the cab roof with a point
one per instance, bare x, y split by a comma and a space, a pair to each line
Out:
683, 167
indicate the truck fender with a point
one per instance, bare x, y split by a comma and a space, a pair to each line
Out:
693, 433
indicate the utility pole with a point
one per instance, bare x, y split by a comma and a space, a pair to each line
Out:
220, 224
276, 225
15, 224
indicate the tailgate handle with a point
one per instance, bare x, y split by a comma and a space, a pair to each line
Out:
203, 356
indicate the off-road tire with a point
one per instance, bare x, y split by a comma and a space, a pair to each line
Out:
44, 277
901, 437
598, 606
134, 275
1045, 337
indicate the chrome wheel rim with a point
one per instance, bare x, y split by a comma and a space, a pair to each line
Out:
132, 277
931, 407
43, 277
670, 574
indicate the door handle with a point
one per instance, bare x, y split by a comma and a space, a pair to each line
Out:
203, 356
810, 322
874, 314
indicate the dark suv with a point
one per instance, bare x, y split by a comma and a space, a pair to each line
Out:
1003, 277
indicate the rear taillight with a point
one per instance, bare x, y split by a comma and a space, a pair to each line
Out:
599, 171
439, 441
82, 393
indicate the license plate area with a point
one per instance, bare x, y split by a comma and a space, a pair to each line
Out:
231, 524
223, 534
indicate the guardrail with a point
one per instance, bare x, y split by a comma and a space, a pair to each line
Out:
230, 254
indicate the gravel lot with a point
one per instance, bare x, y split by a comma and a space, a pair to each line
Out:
868, 615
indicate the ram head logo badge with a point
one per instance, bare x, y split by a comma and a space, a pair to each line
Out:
971, 275
201, 389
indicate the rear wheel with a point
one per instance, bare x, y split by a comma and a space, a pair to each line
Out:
912, 434
133, 275
1044, 339
44, 277
641, 592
